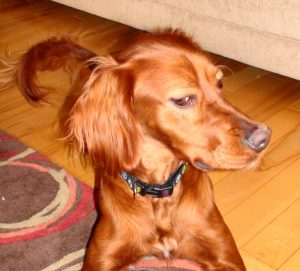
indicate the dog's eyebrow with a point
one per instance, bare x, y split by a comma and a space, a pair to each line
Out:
219, 75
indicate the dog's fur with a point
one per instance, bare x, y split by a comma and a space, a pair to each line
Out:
156, 103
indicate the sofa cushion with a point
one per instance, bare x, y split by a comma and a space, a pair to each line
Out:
281, 17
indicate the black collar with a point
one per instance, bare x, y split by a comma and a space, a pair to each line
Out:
154, 190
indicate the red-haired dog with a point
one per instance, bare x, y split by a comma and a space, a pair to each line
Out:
143, 117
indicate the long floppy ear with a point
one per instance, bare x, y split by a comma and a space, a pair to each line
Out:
102, 121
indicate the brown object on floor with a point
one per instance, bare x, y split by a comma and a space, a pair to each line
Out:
46, 215
155, 105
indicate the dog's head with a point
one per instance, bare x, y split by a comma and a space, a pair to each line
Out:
165, 86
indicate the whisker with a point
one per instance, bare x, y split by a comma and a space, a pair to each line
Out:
224, 68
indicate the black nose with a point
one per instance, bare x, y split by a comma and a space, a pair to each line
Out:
258, 137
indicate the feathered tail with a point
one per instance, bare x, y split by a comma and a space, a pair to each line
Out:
47, 55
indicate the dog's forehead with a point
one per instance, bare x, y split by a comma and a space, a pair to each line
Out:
175, 73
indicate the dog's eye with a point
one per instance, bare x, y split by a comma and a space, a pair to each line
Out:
185, 102
219, 83
219, 77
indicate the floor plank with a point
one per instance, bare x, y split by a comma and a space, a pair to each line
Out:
240, 79
293, 263
280, 239
254, 264
295, 105
265, 96
262, 209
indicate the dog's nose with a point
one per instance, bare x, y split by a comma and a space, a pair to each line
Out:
258, 137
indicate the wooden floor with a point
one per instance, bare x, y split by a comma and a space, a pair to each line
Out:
261, 207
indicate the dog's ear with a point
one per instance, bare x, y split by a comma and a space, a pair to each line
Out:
102, 121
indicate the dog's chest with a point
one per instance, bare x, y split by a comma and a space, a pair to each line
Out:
166, 241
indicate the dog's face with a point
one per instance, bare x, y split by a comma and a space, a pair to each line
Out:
178, 99
165, 87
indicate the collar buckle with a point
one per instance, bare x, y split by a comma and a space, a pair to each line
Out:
167, 192
155, 190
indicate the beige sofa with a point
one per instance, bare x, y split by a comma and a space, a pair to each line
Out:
265, 33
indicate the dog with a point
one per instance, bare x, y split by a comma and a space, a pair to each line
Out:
153, 122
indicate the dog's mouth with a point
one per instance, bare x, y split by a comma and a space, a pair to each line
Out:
202, 166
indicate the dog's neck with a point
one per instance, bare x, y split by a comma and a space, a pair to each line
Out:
157, 162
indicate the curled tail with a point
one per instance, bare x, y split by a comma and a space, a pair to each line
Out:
47, 55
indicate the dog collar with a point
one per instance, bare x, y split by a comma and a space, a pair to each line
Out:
155, 190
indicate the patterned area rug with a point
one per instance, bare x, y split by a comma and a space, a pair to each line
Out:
46, 215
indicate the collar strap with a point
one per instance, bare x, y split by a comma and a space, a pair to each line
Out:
154, 190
